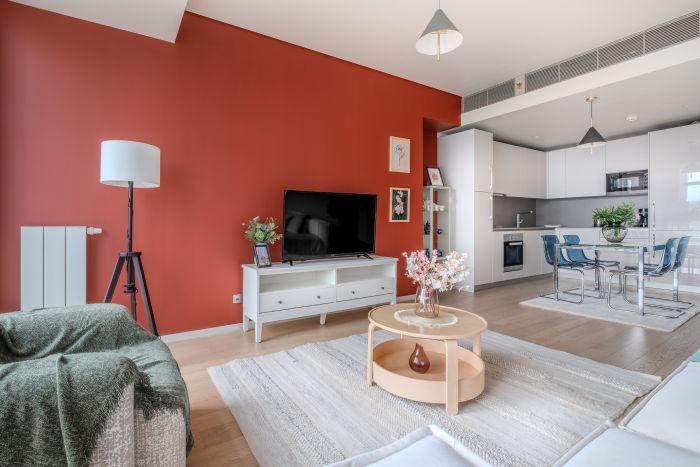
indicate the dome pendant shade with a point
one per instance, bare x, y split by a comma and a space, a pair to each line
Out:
440, 36
592, 139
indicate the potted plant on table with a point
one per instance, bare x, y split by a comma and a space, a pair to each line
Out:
260, 234
433, 275
615, 220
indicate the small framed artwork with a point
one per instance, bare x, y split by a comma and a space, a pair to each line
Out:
399, 154
400, 204
262, 255
434, 176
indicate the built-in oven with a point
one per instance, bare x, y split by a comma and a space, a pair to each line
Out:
625, 183
512, 252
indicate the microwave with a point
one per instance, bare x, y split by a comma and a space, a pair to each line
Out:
626, 183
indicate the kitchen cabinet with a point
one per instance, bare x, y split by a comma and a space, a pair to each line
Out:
627, 154
483, 228
483, 161
465, 159
519, 171
674, 178
556, 174
585, 172
533, 255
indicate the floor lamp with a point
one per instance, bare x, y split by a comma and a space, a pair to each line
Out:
133, 165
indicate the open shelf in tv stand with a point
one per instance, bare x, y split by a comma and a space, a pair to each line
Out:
315, 288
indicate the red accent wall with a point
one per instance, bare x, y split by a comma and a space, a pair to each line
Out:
239, 117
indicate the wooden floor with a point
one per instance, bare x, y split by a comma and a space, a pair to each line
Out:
219, 440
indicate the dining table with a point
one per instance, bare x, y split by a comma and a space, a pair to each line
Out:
639, 249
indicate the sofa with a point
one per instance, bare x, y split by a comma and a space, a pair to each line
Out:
662, 429
86, 385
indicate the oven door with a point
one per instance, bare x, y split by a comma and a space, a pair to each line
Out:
512, 255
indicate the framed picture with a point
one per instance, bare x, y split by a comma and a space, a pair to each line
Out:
400, 204
262, 255
399, 154
434, 176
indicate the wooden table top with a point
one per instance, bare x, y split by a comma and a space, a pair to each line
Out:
468, 324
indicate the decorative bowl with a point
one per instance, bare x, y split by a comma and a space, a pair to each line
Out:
614, 233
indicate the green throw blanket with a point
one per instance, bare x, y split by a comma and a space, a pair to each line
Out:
62, 373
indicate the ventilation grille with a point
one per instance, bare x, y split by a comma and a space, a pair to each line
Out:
665, 35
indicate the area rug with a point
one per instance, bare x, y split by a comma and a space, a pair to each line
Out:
311, 406
598, 309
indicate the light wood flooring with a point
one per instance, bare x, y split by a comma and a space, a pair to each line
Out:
219, 440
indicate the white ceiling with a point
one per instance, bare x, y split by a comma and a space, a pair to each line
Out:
659, 99
502, 38
154, 18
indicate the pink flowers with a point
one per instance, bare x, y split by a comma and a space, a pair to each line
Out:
432, 273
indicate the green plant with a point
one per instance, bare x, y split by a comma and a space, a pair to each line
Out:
262, 232
615, 215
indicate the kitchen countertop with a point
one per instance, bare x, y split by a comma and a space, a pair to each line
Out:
518, 229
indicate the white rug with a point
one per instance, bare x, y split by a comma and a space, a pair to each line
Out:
310, 405
598, 309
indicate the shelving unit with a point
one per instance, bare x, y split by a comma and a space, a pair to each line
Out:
438, 225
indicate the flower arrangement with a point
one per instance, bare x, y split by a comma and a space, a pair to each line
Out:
430, 274
261, 232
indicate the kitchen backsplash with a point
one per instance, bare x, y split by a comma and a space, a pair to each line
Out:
506, 208
578, 212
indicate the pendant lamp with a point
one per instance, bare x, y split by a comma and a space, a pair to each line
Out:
592, 138
440, 36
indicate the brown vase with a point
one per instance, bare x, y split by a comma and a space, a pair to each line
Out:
419, 360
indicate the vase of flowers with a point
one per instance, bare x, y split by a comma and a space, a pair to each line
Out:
261, 234
433, 275
615, 220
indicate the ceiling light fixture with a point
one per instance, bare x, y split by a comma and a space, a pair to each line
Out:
592, 139
440, 36
631, 118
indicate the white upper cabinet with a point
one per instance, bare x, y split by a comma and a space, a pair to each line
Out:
556, 174
483, 161
519, 171
674, 178
585, 172
627, 154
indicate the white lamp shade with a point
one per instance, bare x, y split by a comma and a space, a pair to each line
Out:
130, 161
450, 37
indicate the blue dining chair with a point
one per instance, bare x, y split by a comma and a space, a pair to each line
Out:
579, 256
666, 264
681, 253
549, 243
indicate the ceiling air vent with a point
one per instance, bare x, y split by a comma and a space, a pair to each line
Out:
673, 32
475, 101
541, 78
621, 50
670, 33
501, 91
579, 65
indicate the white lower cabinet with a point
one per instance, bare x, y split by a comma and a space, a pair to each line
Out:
533, 255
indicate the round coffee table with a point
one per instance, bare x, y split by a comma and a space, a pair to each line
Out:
455, 375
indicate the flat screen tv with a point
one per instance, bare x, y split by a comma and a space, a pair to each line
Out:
321, 225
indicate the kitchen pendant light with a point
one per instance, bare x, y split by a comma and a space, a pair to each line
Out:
440, 36
592, 138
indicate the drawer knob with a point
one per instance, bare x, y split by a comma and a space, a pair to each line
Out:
318, 296
352, 291
382, 287
279, 301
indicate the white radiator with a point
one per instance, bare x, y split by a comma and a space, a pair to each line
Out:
53, 266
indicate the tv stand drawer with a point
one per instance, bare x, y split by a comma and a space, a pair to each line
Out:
273, 301
368, 288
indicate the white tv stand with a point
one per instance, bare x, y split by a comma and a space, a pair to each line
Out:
282, 292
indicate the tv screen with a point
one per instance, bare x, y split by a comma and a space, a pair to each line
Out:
318, 225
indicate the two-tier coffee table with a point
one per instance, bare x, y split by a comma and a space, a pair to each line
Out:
455, 375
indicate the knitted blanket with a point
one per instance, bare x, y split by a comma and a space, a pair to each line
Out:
62, 372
